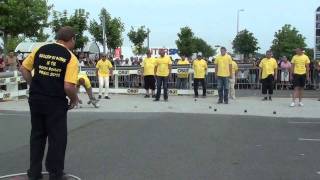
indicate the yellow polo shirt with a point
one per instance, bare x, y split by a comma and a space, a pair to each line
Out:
300, 62
104, 68
148, 65
183, 74
200, 67
163, 64
268, 67
223, 63
234, 67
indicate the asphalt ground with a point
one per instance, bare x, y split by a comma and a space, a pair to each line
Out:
174, 146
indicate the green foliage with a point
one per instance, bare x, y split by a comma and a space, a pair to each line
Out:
13, 42
78, 21
185, 42
286, 40
188, 44
25, 17
114, 29
137, 37
245, 43
202, 46
310, 53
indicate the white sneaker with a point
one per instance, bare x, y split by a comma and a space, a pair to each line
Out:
293, 104
300, 104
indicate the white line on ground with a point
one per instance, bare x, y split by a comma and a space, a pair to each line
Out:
5, 114
304, 139
304, 122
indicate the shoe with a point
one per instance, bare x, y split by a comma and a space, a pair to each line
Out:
301, 104
146, 96
220, 102
270, 98
265, 99
156, 100
166, 100
204, 96
226, 102
196, 96
99, 96
293, 104
56, 177
153, 96
94, 102
107, 97
36, 178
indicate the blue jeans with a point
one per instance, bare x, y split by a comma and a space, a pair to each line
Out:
223, 88
182, 83
162, 81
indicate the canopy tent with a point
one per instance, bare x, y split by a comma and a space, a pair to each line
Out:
28, 47
92, 48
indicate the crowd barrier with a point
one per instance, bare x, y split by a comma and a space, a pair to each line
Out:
129, 80
12, 85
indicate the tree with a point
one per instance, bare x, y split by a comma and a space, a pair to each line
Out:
286, 40
202, 46
245, 43
23, 17
114, 29
309, 52
78, 21
13, 42
185, 42
137, 37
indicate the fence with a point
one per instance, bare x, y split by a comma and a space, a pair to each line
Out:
128, 80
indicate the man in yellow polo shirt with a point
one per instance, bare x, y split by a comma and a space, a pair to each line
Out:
55, 77
148, 65
162, 71
268, 72
200, 69
182, 79
232, 80
223, 69
103, 72
300, 70
84, 81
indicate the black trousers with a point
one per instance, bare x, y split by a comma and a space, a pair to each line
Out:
196, 86
267, 85
48, 121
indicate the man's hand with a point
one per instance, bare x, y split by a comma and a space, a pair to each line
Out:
73, 104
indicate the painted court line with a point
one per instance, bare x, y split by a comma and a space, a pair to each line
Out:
304, 122
304, 139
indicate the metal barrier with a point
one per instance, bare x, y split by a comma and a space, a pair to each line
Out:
129, 80
12, 85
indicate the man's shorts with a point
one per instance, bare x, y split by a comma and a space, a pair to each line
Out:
149, 82
87, 83
299, 80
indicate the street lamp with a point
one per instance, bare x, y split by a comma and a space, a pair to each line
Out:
238, 17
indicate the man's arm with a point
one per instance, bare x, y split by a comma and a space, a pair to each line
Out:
71, 91
26, 74
230, 70
216, 70
170, 69
308, 71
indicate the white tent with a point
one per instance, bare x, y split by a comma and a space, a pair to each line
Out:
28, 47
92, 48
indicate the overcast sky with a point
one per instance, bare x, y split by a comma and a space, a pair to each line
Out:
212, 20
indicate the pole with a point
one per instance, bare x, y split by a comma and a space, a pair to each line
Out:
238, 19
104, 33
148, 39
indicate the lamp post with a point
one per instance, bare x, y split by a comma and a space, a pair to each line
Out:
238, 18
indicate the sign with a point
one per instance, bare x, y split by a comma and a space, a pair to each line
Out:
13, 79
173, 92
6, 96
133, 91
210, 92
183, 70
117, 53
123, 72
172, 51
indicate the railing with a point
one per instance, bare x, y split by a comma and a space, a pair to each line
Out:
128, 80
